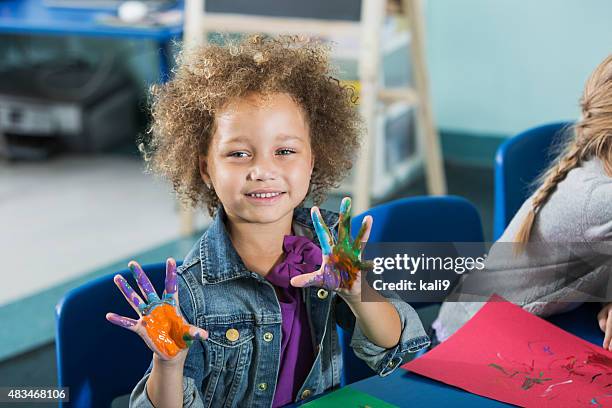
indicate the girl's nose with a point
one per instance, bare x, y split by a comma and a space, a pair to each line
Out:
262, 170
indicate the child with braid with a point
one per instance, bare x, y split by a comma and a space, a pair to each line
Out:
573, 204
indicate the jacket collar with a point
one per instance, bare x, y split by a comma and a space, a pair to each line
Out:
221, 262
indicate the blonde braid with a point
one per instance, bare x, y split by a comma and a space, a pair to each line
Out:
569, 160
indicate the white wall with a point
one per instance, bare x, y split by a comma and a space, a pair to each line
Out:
500, 66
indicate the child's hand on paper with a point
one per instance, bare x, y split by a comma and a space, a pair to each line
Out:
161, 325
604, 317
342, 267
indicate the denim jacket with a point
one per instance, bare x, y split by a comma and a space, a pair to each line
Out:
238, 364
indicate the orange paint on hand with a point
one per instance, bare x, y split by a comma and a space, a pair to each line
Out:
166, 329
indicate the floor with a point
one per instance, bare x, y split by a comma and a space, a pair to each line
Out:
128, 232
104, 206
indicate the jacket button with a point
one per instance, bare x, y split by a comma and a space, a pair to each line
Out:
232, 334
262, 386
391, 364
268, 336
322, 294
306, 393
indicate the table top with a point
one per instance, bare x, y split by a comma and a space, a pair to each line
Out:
34, 17
406, 389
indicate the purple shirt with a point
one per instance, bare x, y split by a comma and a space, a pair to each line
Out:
297, 356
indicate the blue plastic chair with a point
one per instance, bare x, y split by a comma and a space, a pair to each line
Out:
424, 219
519, 161
416, 219
96, 359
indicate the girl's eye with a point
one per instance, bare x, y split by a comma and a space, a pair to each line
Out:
238, 154
285, 152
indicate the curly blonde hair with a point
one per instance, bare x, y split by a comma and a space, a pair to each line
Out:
208, 78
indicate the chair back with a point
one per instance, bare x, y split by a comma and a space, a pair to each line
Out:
415, 219
518, 163
96, 359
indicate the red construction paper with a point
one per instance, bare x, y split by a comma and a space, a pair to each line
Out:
510, 355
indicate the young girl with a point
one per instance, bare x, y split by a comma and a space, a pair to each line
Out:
572, 205
251, 130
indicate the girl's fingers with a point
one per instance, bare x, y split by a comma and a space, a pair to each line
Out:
608, 335
325, 237
344, 221
602, 323
121, 321
366, 266
143, 281
327, 277
196, 333
132, 297
170, 285
364, 233
171, 288
307, 279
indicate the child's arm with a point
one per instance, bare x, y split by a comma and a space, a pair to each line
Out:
165, 383
378, 319
385, 329
365, 342
164, 330
341, 270
604, 318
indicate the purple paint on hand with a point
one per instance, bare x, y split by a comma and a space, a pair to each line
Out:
143, 282
171, 286
121, 321
130, 294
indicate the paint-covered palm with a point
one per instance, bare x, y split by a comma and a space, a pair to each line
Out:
342, 264
161, 325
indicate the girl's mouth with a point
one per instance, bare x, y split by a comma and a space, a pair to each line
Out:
265, 198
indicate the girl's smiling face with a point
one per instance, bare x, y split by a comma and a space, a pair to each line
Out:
259, 160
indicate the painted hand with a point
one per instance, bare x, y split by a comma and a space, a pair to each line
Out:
160, 325
604, 318
342, 266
